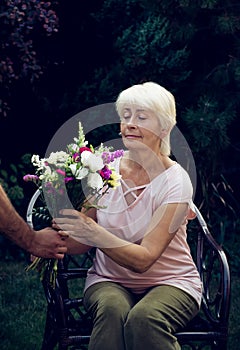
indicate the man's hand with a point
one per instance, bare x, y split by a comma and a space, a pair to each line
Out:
47, 243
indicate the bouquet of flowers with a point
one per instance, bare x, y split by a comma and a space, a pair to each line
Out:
77, 177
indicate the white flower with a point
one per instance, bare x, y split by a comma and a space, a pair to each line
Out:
48, 175
92, 161
73, 147
78, 173
57, 158
36, 160
95, 181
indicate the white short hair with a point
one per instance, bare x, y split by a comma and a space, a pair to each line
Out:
155, 98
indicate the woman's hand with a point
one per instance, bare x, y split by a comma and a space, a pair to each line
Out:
85, 230
77, 225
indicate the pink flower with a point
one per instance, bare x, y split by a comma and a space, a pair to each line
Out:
61, 172
82, 149
30, 177
61, 191
68, 179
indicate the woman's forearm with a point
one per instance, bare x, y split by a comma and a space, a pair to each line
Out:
83, 231
74, 247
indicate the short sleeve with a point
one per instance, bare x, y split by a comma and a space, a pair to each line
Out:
177, 188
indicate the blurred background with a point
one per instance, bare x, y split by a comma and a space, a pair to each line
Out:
59, 58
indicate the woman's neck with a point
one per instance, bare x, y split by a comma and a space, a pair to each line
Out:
151, 162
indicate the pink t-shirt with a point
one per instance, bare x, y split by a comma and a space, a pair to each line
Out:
175, 267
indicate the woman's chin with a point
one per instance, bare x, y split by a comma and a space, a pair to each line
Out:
134, 144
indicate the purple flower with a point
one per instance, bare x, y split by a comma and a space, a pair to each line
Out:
30, 177
106, 157
109, 157
76, 157
68, 179
105, 173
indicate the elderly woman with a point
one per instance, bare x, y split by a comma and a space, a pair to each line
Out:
143, 286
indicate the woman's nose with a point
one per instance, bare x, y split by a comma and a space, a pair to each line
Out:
131, 121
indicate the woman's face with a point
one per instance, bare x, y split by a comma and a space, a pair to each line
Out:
140, 127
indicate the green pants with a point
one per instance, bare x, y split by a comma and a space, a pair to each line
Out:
125, 321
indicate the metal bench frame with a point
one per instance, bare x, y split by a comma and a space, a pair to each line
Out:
68, 325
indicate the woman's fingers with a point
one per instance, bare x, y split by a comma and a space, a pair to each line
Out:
69, 212
70, 217
63, 227
59, 221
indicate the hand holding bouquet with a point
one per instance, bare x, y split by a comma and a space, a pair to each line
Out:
76, 178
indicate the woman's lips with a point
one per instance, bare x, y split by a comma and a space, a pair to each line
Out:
132, 136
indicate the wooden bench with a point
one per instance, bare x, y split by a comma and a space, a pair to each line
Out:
68, 325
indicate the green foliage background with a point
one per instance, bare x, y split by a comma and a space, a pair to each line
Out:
192, 47
88, 52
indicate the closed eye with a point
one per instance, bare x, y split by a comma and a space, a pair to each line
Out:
142, 117
125, 118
